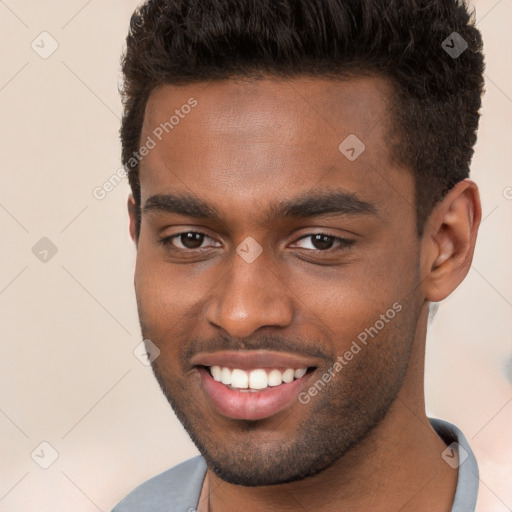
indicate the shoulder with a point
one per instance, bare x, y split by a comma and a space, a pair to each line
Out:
177, 488
458, 455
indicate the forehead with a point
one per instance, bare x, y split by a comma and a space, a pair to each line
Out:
240, 141
291, 98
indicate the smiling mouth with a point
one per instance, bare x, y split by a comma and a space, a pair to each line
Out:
258, 390
257, 379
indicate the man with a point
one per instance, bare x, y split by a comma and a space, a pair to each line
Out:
300, 195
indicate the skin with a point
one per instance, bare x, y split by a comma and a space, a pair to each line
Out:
245, 146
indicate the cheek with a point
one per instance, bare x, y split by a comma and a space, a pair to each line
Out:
340, 301
345, 301
155, 293
169, 298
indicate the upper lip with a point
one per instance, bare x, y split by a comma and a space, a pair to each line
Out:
251, 359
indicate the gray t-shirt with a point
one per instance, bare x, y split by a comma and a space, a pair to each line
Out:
178, 489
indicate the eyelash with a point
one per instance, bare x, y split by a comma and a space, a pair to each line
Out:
344, 243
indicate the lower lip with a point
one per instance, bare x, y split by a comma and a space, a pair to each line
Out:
250, 405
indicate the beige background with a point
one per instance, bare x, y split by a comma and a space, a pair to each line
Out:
69, 326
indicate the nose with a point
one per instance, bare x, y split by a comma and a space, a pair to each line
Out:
251, 296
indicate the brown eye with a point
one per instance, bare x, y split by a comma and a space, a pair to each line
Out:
323, 242
189, 240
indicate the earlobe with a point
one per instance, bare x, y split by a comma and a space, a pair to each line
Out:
449, 241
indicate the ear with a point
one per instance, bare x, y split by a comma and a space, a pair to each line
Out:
449, 241
132, 212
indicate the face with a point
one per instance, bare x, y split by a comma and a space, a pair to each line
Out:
265, 245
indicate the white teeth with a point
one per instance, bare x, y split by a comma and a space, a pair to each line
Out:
300, 372
239, 379
288, 375
274, 378
216, 373
255, 379
225, 376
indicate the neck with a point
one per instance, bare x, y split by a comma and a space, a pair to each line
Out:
397, 467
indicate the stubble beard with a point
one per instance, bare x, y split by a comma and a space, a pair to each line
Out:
338, 418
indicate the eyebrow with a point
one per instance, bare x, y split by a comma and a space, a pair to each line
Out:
310, 204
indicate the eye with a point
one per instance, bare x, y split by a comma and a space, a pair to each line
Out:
323, 242
188, 240
193, 240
